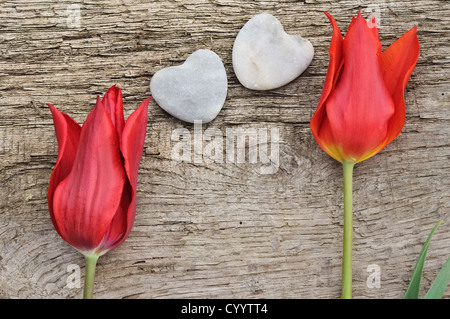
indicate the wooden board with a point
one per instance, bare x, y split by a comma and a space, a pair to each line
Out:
219, 230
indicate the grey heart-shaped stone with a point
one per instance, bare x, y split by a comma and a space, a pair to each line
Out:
193, 91
265, 57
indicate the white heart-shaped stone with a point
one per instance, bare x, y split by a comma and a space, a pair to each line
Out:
265, 57
193, 91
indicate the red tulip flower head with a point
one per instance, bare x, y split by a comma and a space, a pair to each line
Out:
92, 191
362, 107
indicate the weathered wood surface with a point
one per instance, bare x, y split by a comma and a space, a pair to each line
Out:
219, 230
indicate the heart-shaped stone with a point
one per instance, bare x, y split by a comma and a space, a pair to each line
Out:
193, 91
265, 57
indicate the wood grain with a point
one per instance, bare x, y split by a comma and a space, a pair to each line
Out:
219, 230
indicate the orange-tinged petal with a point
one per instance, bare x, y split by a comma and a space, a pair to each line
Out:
360, 106
397, 63
319, 125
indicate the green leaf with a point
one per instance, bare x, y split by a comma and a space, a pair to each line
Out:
414, 285
439, 285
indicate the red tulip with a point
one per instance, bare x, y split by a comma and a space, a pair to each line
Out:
92, 191
362, 107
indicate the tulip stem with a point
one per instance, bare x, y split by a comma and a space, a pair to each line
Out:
91, 263
348, 231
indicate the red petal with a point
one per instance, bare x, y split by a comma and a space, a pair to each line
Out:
318, 125
133, 140
120, 225
86, 201
397, 63
68, 135
112, 101
360, 107
132, 144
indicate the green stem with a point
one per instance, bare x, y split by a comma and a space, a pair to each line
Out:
348, 231
91, 262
